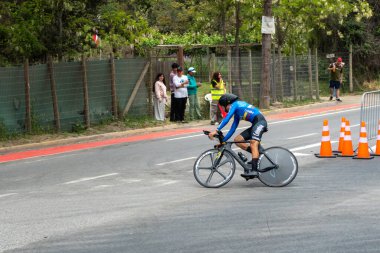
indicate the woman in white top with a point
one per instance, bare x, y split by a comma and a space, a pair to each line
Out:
160, 97
180, 95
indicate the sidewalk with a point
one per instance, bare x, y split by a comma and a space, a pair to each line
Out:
85, 142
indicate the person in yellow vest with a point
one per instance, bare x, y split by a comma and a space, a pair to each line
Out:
218, 88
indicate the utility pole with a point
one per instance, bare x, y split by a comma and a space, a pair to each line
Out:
266, 55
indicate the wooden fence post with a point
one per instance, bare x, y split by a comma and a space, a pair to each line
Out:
250, 74
281, 79
152, 71
28, 114
113, 86
316, 74
229, 60
310, 75
53, 89
350, 68
180, 56
273, 89
295, 91
85, 93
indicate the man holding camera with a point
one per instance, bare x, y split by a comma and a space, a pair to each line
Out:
336, 77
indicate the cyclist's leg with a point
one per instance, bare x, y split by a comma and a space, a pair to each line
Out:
256, 133
243, 136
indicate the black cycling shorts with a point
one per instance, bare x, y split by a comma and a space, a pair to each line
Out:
334, 84
255, 132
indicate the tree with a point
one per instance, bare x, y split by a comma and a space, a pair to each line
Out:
265, 69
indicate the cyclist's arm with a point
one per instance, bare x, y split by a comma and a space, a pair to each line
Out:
232, 129
227, 119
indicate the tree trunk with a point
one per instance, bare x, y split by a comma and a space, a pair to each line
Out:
237, 51
266, 56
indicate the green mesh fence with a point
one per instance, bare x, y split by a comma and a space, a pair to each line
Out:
68, 78
12, 105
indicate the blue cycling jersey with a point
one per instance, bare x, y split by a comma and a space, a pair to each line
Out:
241, 111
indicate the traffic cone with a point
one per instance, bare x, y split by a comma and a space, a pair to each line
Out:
347, 150
341, 137
363, 148
377, 153
325, 150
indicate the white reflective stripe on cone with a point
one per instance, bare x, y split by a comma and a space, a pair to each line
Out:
363, 130
325, 128
363, 140
378, 137
342, 134
347, 138
325, 138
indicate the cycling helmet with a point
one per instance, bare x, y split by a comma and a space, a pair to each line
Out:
227, 99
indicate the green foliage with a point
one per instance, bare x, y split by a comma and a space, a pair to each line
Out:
140, 122
4, 134
78, 128
36, 28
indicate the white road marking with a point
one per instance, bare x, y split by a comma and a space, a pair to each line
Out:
90, 178
165, 182
300, 154
102, 186
308, 146
7, 194
129, 181
312, 116
176, 161
301, 136
185, 137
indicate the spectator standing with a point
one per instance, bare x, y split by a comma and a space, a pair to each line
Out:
173, 73
180, 95
336, 78
218, 88
160, 97
192, 90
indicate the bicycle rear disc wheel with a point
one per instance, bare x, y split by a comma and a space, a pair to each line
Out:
212, 174
287, 167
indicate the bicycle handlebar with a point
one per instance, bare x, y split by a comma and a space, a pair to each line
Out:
220, 135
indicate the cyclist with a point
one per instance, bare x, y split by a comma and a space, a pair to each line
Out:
243, 111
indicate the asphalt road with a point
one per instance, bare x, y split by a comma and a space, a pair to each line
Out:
142, 197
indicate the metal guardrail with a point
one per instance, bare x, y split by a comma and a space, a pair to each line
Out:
370, 112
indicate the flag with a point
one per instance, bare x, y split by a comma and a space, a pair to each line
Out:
96, 39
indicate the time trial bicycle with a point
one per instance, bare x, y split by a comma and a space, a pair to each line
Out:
277, 166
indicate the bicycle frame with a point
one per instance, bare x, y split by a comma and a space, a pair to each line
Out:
227, 147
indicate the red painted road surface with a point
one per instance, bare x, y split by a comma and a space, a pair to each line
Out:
80, 146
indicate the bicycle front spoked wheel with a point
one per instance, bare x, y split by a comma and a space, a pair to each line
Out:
285, 171
214, 169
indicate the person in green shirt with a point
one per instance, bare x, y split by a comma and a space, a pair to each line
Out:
192, 90
336, 77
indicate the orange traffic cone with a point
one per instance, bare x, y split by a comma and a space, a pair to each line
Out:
341, 137
377, 153
347, 149
325, 150
363, 148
